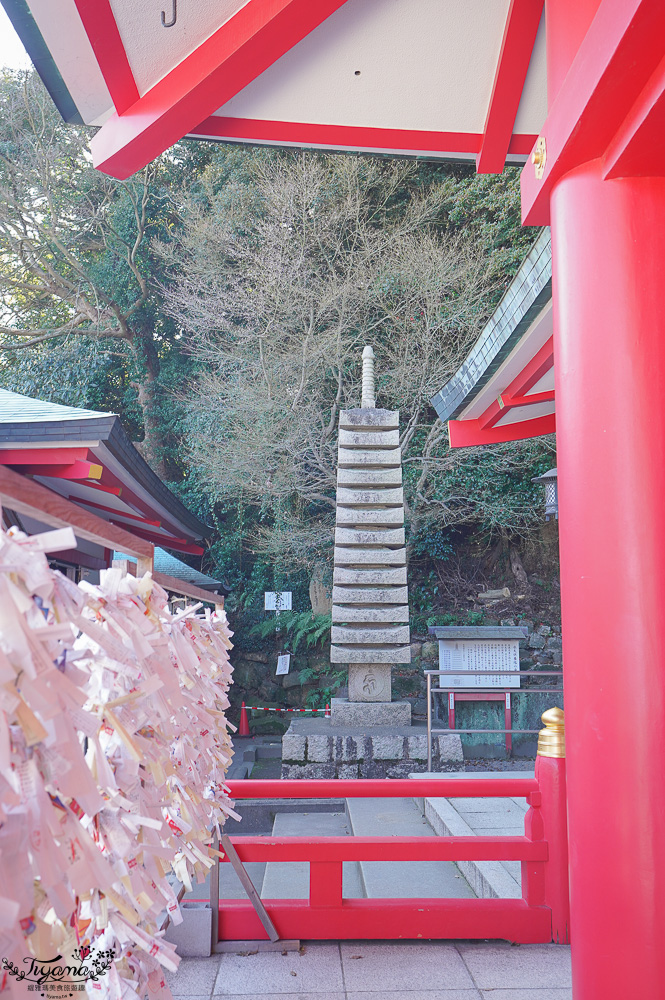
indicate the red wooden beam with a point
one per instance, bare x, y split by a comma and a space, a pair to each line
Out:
607, 83
175, 586
641, 139
104, 37
515, 393
25, 496
464, 433
43, 456
75, 470
396, 788
516, 48
113, 483
390, 919
350, 136
116, 513
504, 403
234, 55
115, 491
168, 541
532, 372
319, 849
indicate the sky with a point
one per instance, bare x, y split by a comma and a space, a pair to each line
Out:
12, 53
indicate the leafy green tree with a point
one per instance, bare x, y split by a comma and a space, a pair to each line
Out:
81, 306
283, 267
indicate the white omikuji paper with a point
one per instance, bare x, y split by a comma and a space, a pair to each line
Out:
113, 750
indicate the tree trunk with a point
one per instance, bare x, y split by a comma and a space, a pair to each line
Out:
153, 446
518, 570
320, 592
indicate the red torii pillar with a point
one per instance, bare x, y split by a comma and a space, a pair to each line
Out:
603, 190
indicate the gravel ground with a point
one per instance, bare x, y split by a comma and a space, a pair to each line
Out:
494, 764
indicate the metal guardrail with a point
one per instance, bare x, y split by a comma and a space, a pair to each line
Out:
480, 691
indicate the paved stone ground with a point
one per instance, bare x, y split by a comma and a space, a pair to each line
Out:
349, 970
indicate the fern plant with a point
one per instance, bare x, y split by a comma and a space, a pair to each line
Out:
300, 626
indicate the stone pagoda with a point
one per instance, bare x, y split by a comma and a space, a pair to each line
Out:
368, 735
370, 612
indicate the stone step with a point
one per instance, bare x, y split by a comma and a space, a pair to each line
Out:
370, 438
370, 654
354, 457
405, 879
392, 496
482, 817
370, 595
379, 577
375, 516
290, 880
354, 536
374, 634
370, 477
352, 555
368, 417
371, 613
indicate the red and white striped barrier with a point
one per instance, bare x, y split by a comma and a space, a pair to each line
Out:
262, 708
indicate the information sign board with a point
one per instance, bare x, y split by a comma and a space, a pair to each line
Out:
279, 600
488, 656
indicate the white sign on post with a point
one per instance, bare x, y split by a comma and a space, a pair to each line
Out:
278, 600
283, 663
488, 657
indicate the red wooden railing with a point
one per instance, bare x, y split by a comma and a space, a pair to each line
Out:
540, 916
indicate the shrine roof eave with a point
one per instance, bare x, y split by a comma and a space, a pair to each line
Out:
332, 74
27, 424
504, 390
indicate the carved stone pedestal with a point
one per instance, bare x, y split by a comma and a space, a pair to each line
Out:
369, 682
367, 715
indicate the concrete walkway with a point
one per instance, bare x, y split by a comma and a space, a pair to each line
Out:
387, 879
376, 971
484, 817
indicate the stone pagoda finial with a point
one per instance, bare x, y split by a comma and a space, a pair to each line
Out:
368, 401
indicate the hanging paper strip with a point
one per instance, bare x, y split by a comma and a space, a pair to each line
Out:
113, 750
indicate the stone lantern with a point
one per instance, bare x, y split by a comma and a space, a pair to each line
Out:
549, 480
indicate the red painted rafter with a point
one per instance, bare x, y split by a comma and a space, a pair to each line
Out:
350, 136
465, 433
234, 55
168, 541
115, 491
104, 37
129, 497
640, 140
515, 394
533, 371
43, 456
504, 403
610, 82
74, 470
116, 513
516, 48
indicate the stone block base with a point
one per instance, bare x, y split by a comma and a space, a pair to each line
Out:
192, 937
317, 748
367, 714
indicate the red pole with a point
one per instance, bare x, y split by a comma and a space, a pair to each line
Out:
551, 778
608, 239
508, 724
243, 729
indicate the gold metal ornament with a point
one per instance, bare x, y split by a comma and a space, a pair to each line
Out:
552, 739
539, 158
